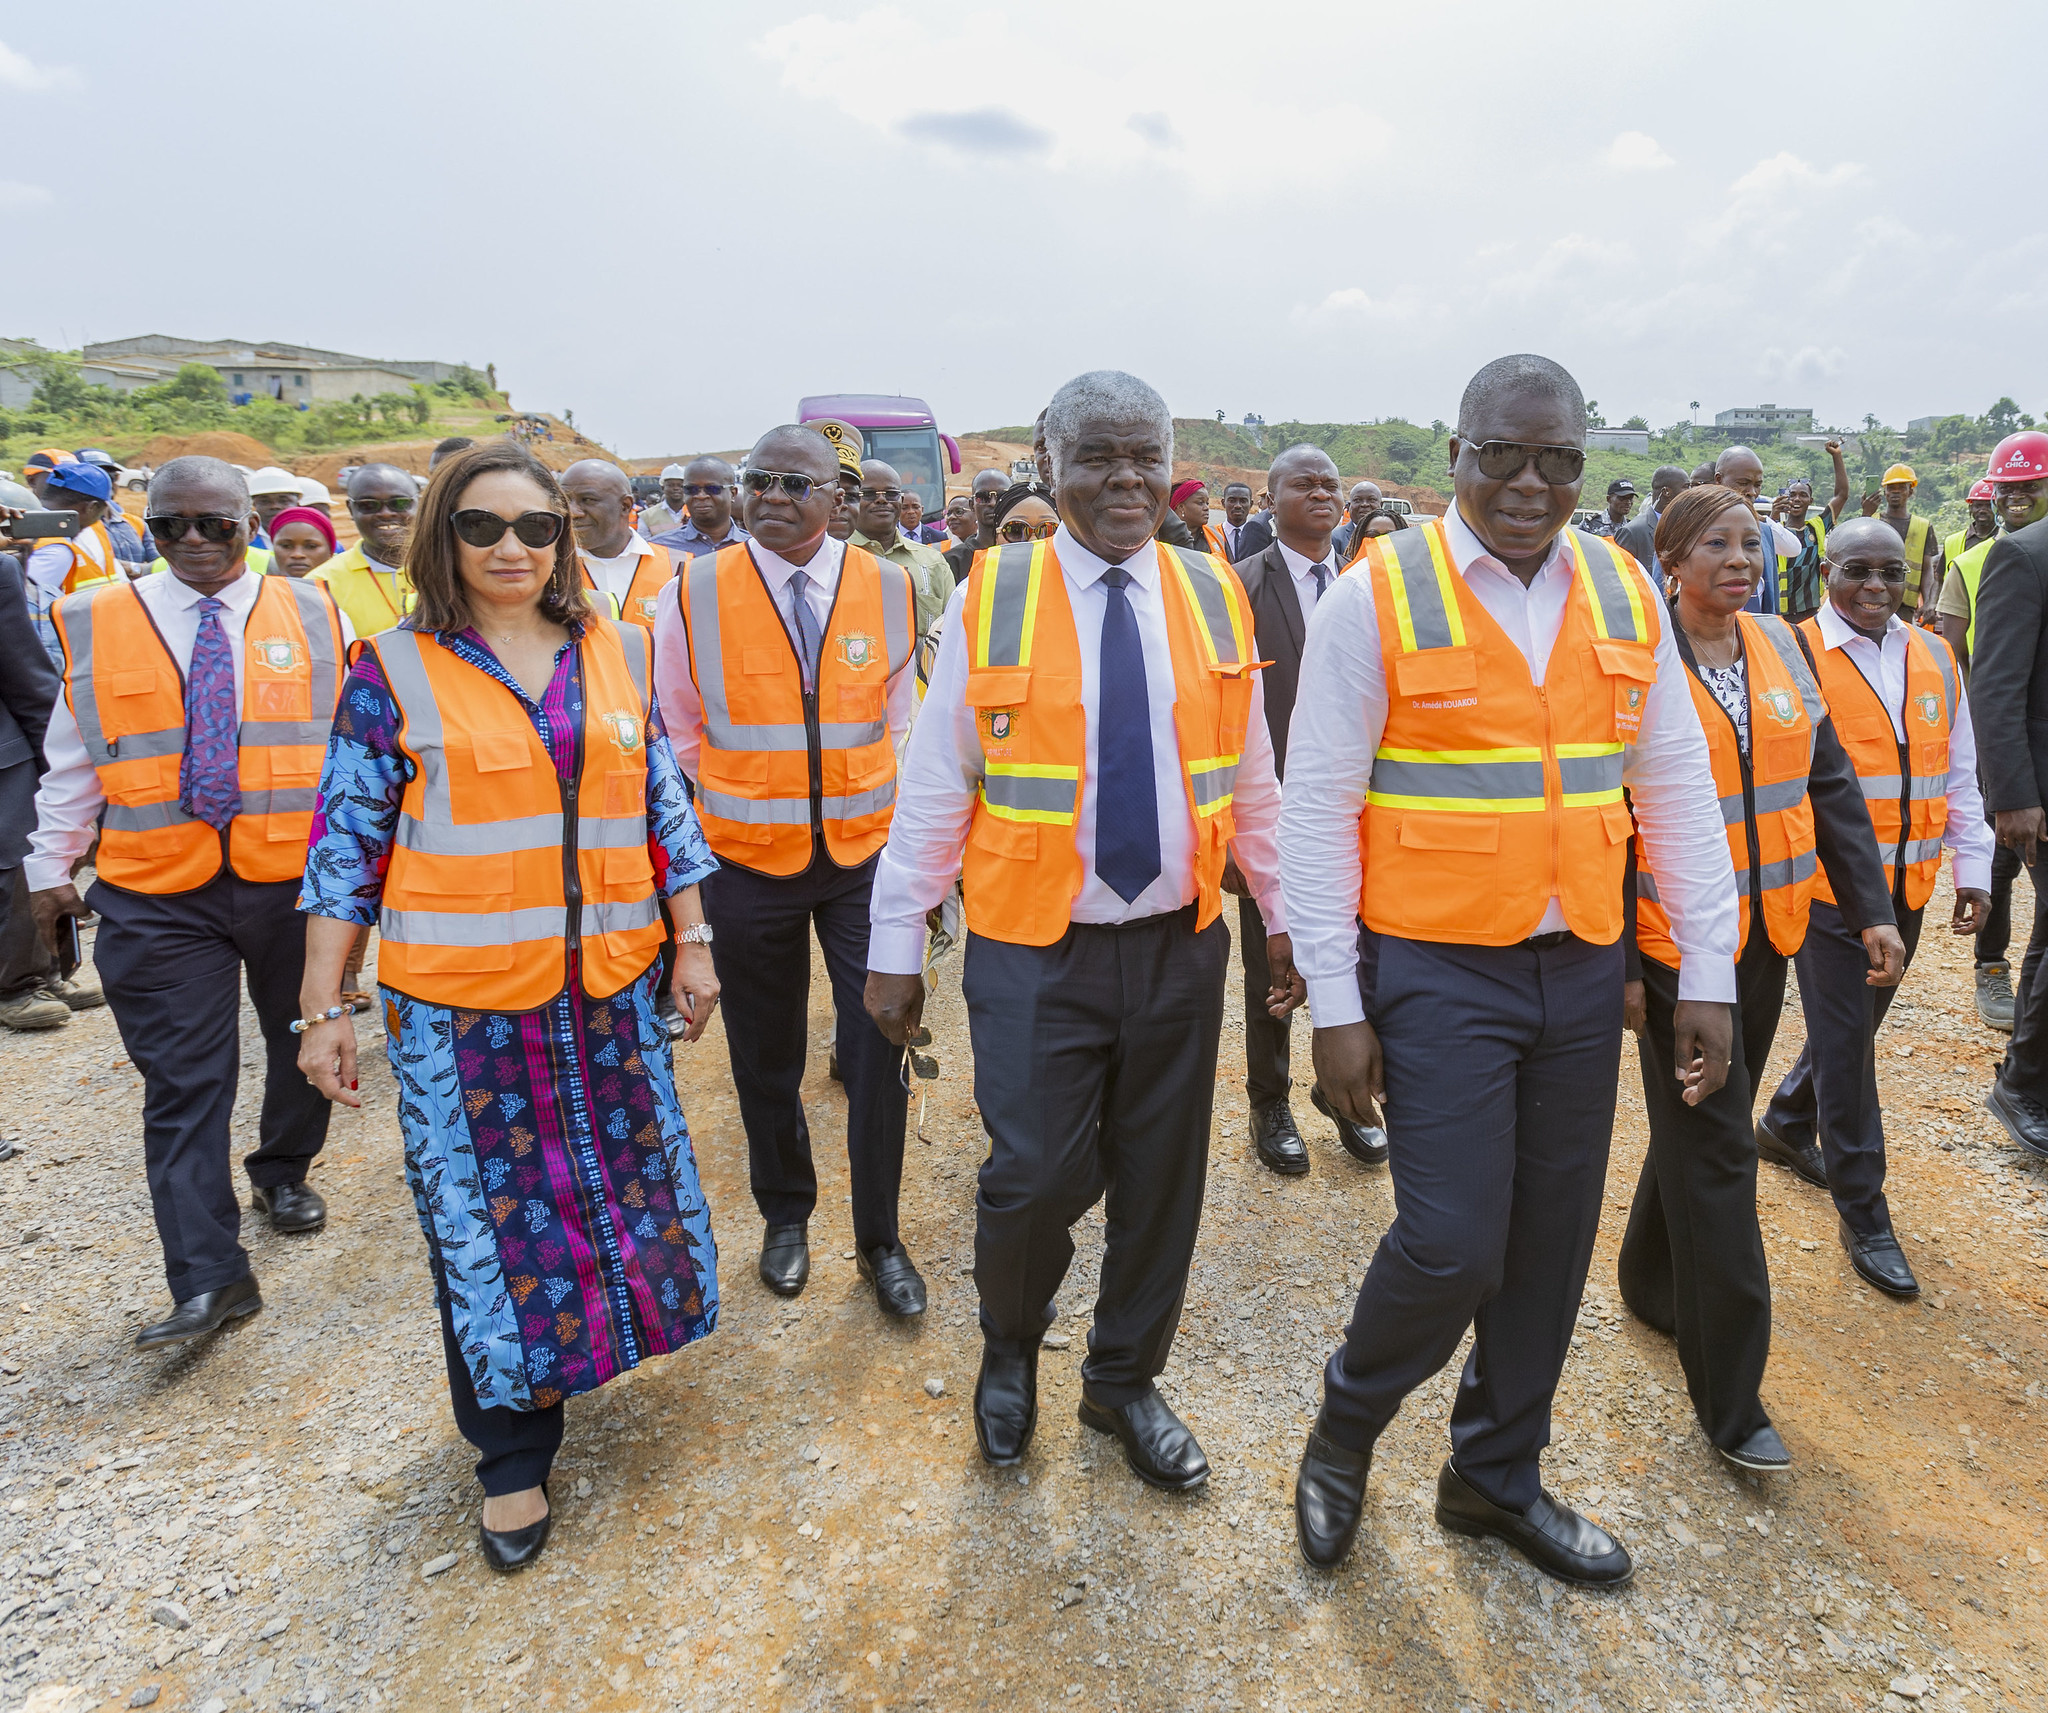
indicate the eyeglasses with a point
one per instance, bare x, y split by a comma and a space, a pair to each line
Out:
893, 495
702, 490
486, 529
798, 488
1018, 529
398, 505
218, 530
1560, 466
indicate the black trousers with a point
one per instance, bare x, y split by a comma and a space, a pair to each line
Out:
1500, 1072
172, 967
1830, 1093
516, 1447
2026, 1055
1692, 1259
1996, 935
1266, 1037
1095, 1072
24, 964
760, 945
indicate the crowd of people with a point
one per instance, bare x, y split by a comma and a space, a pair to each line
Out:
1489, 790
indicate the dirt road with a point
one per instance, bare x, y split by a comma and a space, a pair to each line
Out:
793, 1515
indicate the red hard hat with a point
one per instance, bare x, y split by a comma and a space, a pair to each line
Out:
1982, 491
2021, 457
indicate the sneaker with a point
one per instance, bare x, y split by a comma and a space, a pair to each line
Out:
80, 992
34, 1011
1994, 995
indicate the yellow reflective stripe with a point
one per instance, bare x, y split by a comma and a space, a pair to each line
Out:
1458, 805
1590, 799
1585, 749
1031, 769
1446, 573
1464, 756
1628, 588
1031, 590
1397, 586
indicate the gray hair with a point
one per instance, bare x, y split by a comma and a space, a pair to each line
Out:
198, 469
1103, 396
1523, 373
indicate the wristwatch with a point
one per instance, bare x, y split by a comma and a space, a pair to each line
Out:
696, 934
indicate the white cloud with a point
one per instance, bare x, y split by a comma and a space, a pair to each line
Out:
18, 71
1636, 151
14, 194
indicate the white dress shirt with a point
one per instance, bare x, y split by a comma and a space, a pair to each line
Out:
1301, 569
1967, 834
1341, 710
614, 576
682, 709
942, 772
69, 799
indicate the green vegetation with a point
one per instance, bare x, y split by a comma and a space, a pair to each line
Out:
70, 411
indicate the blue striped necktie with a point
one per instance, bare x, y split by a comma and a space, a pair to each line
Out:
1127, 801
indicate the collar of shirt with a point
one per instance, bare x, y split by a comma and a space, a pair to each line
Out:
881, 549
690, 532
635, 548
1300, 565
1838, 632
1469, 553
238, 597
823, 570
1084, 568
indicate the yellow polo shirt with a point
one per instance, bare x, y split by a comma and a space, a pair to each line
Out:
366, 595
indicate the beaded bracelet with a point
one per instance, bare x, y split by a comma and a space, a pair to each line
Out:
301, 1024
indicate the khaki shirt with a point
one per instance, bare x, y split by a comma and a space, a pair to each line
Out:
930, 575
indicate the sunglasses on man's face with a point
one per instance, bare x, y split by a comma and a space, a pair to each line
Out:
398, 505
702, 490
1018, 529
893, 495
1501, 460
486, 529
798, 488
218, 530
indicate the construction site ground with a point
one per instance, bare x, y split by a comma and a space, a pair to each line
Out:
792, 1514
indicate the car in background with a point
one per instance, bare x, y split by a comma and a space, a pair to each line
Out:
646, 490
900, 431
1400, 508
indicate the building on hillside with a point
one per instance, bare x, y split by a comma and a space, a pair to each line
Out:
1635, 440
297, 374
1764, 421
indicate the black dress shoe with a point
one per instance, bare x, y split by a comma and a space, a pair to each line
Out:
1553, 1537
1156, 1442
1329, 1498
292, 1207
786, 1258
1365, 1143
1879, 1260
1279, 1144
515, 1549
208, 1312
2025, 1119
899, 1287
1805, 1161
1763, 1451
1005, 1406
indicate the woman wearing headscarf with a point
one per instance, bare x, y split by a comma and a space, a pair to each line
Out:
1189, 502
500, 797
1692, 1258
300, 540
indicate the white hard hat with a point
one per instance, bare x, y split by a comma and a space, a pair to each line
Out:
314, 493
675, 473
271, 480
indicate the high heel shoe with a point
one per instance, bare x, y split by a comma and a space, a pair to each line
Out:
515, 1549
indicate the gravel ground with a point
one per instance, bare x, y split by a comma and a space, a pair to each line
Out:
792, 1514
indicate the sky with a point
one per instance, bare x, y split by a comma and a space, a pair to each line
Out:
676, 219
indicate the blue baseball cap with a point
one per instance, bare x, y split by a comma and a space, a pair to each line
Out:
94, 455
87, 479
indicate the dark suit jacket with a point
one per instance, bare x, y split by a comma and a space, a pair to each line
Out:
28, 690
2009, 671
1638, 537
1257, 536
1280, 634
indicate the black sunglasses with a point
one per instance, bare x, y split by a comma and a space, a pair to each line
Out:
486, 529
893, 495
798, 488
703, 490
219, 530
398, 504
1499, 460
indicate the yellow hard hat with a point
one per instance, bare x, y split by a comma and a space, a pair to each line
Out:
1899, 473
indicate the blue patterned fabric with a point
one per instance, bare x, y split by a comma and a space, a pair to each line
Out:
210, 771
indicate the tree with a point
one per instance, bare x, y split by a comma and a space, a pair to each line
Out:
1593, 417
1636, 422
1438, 429
59, 385
194, 383
2002, 419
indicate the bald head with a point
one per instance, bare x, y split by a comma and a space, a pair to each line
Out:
1855, 538
1667, 484
797, 451
1363, 497
1302, 457
881, 500
382, 499
600, 506
1866, 563
381, 479
1522, 379
1307, 499
1742, 471
709, 469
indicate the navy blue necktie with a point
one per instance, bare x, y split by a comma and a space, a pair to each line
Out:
1321, 573
1127, 798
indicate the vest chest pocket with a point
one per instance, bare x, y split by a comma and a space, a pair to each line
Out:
625, 794
281, 699
997, 695
500, 752
860, 701
139, 681
1630, 669
1787, 755
1439, 677
1017, 840
764, 662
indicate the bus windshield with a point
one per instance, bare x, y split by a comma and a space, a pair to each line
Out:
916, 456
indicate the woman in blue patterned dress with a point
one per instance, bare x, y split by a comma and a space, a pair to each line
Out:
460, 812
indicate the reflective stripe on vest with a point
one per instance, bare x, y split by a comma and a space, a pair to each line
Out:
652, 573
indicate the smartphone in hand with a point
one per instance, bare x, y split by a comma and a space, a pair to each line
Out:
69, 954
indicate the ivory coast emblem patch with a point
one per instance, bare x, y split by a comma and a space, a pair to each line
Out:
624, 729
1633, 698
1929, 705
1779, 701
649, 606
278, 653
856, 648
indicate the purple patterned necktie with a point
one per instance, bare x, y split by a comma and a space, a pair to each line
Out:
210, 775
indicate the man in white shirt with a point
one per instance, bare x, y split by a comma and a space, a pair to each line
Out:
1824, 1122
629, 572
172, 949
1051, 771
803, 650
1454, 776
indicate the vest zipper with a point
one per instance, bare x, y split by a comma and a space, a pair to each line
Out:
814, 746
572, 875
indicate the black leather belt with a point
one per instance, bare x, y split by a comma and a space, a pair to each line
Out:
1543, 942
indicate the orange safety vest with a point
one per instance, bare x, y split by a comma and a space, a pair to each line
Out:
776, 758
1905, 785
1785, 705
1021, 870
1217, 544
1491, 794
128, 697
501, 869
657, 568
84, 573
